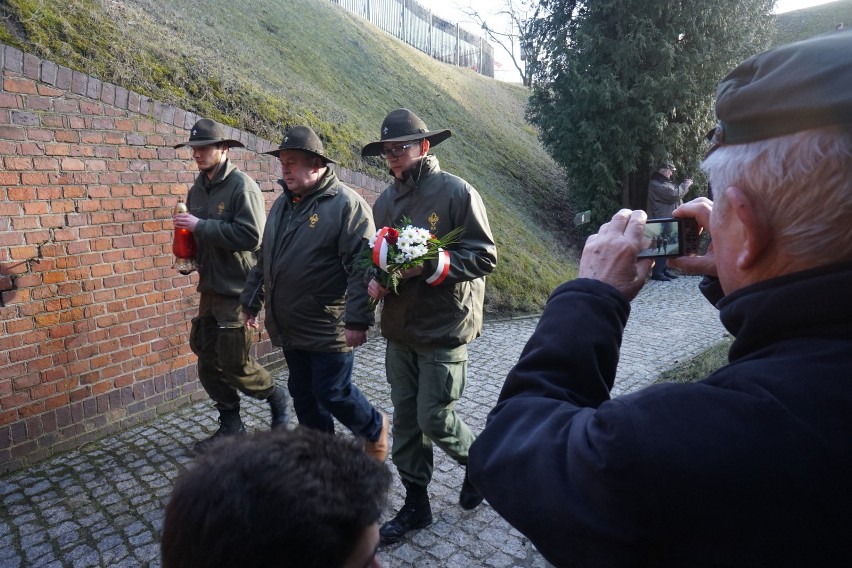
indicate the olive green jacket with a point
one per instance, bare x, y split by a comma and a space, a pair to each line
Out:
437, 307
309, 274
232, 217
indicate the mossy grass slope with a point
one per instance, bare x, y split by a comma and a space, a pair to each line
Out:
265, 65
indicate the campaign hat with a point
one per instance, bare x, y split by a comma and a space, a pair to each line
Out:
302, 138
402, 125
206, 132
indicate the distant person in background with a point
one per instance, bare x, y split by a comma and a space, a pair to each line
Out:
751, 466
663, 197
436, 313
315, 292
300, 498
226, 216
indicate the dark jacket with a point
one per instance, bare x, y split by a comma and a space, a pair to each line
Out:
664, 196
749, 467
232, 214
308, 273
447, 312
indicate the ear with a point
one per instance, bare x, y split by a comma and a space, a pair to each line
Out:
754, 228
424, 146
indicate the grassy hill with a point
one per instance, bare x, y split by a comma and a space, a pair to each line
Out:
264, 65
808, 22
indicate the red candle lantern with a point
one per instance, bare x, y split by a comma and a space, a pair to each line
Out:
183, 246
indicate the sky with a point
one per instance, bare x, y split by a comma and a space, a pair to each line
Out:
452, 10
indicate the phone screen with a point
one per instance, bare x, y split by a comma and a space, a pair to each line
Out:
663, 237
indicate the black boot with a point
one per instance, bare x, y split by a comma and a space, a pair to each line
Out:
469, 497
278, 405
229, 425
416, 513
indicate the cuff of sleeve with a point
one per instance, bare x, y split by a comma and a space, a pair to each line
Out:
357, 326
252, 312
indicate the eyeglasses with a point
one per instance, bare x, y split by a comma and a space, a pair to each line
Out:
397, 151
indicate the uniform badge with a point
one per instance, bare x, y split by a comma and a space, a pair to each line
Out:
314, 219
221, 208
433, 222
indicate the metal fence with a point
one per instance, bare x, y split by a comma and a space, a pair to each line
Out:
420, 28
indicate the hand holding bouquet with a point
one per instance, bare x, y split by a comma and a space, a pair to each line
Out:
395, 250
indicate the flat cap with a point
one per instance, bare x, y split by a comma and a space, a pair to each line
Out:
794, 87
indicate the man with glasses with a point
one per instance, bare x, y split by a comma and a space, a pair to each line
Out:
436, 313
750, 466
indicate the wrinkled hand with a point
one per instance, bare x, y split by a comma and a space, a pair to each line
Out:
376, 290
355, 337
186, 221
699, 209
250, 321
610, 254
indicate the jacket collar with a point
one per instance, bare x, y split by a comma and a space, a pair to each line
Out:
223, 172
786, 306
411, 177
326, 185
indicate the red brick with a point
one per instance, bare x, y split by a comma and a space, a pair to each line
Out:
9, 178
21, 193
19, 85
15, 163
70, 136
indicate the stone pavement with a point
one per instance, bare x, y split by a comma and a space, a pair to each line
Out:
102, 505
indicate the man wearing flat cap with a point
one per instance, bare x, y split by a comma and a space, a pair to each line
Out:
750, 466
226, 217
663, 198
315, 293
435, 314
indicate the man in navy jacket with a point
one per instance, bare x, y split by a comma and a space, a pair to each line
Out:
751, 466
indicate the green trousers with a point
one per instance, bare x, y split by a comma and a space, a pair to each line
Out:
426, 383
225, 367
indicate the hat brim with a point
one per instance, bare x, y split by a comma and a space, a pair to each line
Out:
194, 143
434, 138
278, 151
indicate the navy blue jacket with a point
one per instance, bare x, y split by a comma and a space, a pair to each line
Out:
750, 467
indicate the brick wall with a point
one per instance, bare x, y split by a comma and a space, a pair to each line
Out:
94, 323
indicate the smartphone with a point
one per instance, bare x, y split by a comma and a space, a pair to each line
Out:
669, 237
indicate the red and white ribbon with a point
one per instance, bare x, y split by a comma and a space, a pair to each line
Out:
443, 268
380, 249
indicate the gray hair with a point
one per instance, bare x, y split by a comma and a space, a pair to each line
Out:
803, 183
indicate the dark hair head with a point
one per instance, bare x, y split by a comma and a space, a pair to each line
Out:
296, 498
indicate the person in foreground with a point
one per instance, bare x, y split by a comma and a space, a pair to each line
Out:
751, 466
301, 498
436, 313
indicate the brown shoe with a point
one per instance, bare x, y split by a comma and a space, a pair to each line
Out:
379, 448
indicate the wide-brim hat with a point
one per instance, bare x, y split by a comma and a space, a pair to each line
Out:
206, 132
402, 125
302, 138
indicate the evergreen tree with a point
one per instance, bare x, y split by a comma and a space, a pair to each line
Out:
622, 84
